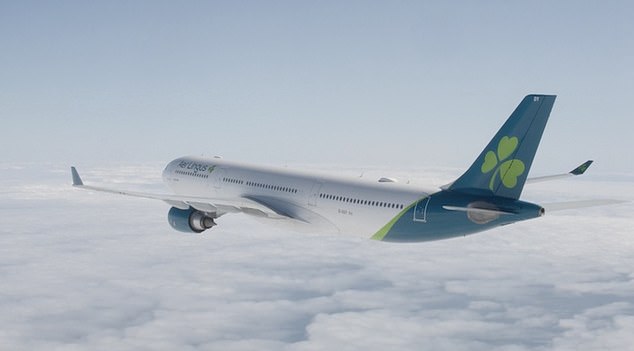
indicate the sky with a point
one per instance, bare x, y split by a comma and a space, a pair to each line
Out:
93, 271
410, 89
368, 83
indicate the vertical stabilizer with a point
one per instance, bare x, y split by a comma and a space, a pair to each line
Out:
502, 167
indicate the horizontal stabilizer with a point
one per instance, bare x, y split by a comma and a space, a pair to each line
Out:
477, 210
571, 205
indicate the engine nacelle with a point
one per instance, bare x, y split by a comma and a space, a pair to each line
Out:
190, 220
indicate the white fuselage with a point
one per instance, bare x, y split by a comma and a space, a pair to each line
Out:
348, 206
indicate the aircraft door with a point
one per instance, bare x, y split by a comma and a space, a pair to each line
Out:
314, 193
218, 175
420, 211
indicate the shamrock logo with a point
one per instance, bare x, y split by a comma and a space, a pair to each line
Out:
509, 170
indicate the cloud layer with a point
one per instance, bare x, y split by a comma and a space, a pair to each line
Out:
83, 271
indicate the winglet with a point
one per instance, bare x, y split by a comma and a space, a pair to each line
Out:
581, 169
76, 178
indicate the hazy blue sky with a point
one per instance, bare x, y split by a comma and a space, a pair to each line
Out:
378, 83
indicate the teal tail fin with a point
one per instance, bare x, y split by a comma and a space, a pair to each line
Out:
502, 168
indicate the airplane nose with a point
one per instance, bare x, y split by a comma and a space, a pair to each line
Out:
167, 171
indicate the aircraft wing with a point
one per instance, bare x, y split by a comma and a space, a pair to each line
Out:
218, 206
575, 172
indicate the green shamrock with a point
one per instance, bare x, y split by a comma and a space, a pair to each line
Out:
509, 169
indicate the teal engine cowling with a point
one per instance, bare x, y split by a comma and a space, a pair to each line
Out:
189, 220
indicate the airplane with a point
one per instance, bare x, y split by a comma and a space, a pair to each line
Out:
486, 196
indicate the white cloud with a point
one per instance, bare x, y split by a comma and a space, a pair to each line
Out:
84, 271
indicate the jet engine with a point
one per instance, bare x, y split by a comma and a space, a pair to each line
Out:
190, 220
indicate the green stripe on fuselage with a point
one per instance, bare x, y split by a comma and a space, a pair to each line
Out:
386, 228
